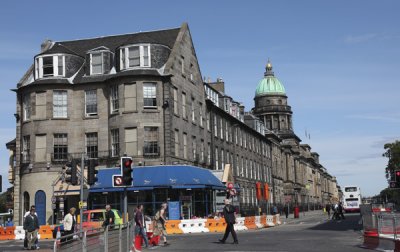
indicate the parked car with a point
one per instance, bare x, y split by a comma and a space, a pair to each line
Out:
95, 218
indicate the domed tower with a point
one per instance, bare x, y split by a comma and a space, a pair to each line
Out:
271, 105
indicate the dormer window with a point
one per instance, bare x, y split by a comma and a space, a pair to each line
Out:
96, 66
49, 66
99, 61
135, 56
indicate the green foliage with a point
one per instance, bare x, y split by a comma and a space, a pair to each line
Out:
392, 195
392, 152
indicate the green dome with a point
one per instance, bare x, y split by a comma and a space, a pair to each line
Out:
269, 84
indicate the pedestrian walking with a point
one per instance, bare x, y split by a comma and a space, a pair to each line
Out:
31, 226
69, 223
286, 211
230, 219
335, 215
27, 213
141, 224
340, 211
274, 210
109, 218
159, 225
328, 210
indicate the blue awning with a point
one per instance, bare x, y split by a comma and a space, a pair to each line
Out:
164, 176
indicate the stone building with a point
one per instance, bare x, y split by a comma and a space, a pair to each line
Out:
142, 95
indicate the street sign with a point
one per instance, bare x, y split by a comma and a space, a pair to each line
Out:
288, 198
117, 181
53, 199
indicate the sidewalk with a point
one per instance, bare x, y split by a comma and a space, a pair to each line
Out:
302, 216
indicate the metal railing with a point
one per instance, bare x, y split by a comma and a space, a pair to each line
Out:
115, 238
382, 224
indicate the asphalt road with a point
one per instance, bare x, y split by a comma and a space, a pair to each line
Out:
307, 234
313, 233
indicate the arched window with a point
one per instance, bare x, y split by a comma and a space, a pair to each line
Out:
26, 202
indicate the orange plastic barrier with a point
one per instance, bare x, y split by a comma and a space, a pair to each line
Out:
263, 221
46, 232
274, 220
7, 233
216, 225
250, 222
172, 227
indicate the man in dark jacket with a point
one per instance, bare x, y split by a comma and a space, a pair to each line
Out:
110, 218
31, 225
141, 224
229, 215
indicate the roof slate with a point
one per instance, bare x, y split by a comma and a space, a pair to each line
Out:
81, 47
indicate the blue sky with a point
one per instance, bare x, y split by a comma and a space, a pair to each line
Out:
336, 59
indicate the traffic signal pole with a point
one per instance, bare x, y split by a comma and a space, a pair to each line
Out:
82, 181
125, 206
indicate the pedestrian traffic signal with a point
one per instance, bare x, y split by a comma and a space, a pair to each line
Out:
126, 170
92, 172
71, 173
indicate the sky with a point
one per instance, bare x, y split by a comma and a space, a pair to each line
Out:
338, 60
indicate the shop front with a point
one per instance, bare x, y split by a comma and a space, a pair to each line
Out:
188, 190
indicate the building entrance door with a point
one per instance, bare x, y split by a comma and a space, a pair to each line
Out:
40, 204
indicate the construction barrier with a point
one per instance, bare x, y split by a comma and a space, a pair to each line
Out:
216, 225
172, 227
249, 222
19, 233
193, 226
270, 221
240, 224
7, 233
258, 222
263, 219
46, 232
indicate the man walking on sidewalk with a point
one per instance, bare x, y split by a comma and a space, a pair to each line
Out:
229, 215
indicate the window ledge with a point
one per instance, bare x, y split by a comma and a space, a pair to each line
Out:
114, 113
55, 118
177, 115
91, 117
130, 111
151, 110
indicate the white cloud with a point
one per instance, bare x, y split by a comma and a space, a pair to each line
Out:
355, 39
394, 118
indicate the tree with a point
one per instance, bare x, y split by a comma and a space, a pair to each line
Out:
393, 154
390, 195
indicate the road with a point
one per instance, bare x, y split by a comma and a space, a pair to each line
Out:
307, 234
313, 233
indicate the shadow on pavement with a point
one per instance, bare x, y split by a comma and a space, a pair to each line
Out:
352, 222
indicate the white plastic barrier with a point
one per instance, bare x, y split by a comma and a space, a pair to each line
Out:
193, 226
270, 221
19, 233
278, 219
258, 222
239, 226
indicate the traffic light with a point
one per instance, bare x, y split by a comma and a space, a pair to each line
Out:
126, 170
71, 172
92, 172
397, 176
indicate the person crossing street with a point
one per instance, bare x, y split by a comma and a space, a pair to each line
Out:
230, 219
